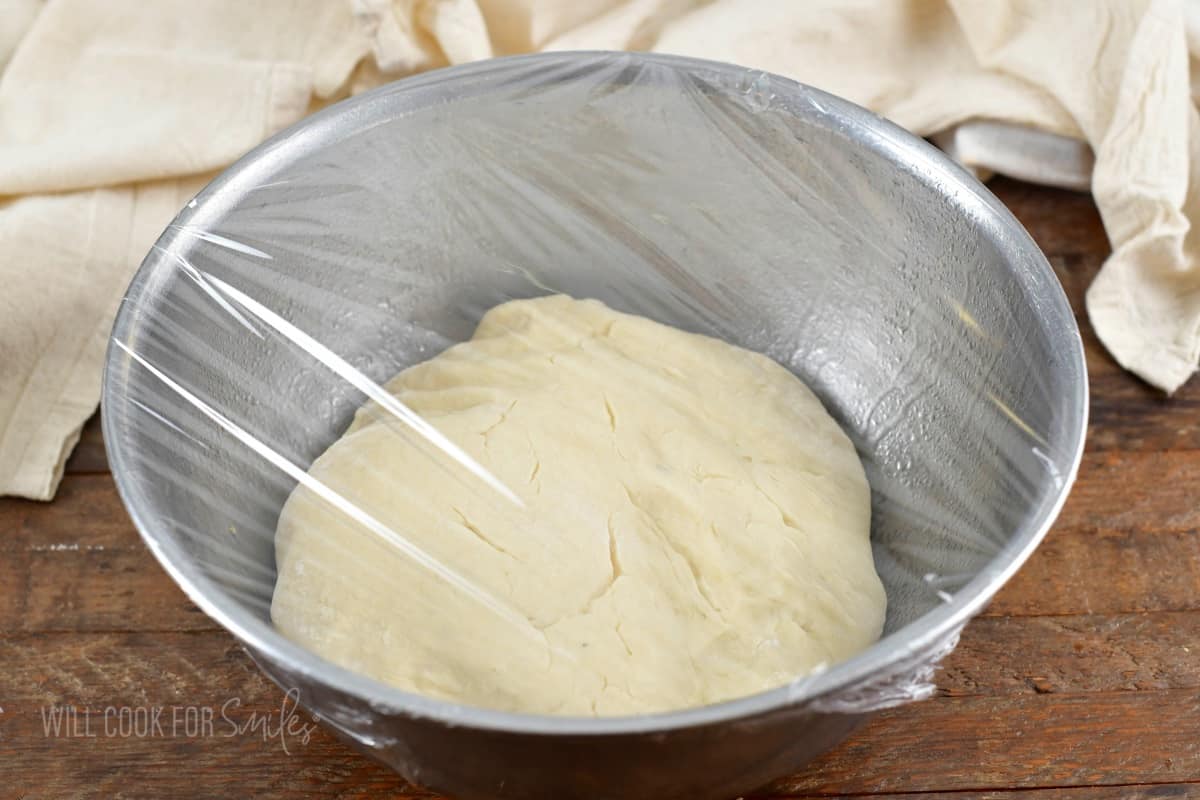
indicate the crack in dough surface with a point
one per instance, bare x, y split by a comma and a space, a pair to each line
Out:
696, 525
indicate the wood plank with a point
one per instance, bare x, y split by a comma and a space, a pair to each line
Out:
189, 676
997, 656
1129, 415
1141, 492
143, 605
1074, 654
1105, 571
218, 762
86, 514
14, 589
202, 670
127, 669
1128, 540
81, 565
946, 744
88, 455
89, 590
1015, 741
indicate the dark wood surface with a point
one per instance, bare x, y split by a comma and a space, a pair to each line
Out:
1080, 681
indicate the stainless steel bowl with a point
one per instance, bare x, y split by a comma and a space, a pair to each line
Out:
703, 195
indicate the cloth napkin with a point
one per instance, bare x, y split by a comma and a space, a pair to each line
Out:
113, 114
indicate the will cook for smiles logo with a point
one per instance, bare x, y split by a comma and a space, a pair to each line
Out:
288, 726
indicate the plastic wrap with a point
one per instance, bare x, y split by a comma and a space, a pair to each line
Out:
716, 200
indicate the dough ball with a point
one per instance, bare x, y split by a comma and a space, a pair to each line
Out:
693, 526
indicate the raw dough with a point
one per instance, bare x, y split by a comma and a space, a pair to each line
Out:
695, 525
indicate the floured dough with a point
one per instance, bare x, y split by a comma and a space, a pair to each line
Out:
692, 526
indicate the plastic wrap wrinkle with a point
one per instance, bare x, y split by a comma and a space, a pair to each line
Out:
348, 508
910, 682
381, 238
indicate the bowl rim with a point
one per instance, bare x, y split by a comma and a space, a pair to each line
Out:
919, 637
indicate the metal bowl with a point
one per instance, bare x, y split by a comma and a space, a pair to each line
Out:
703, 195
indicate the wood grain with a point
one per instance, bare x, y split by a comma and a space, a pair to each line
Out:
81, 566
86, 513
88, 590
101, 669
1106, 572
1016, 741
1135, 492
1024, 740
88, 456
231, 759
1075, 654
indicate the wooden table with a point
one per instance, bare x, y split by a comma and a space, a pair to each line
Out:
1081, 680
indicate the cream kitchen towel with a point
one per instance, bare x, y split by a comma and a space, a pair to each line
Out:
113, 113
